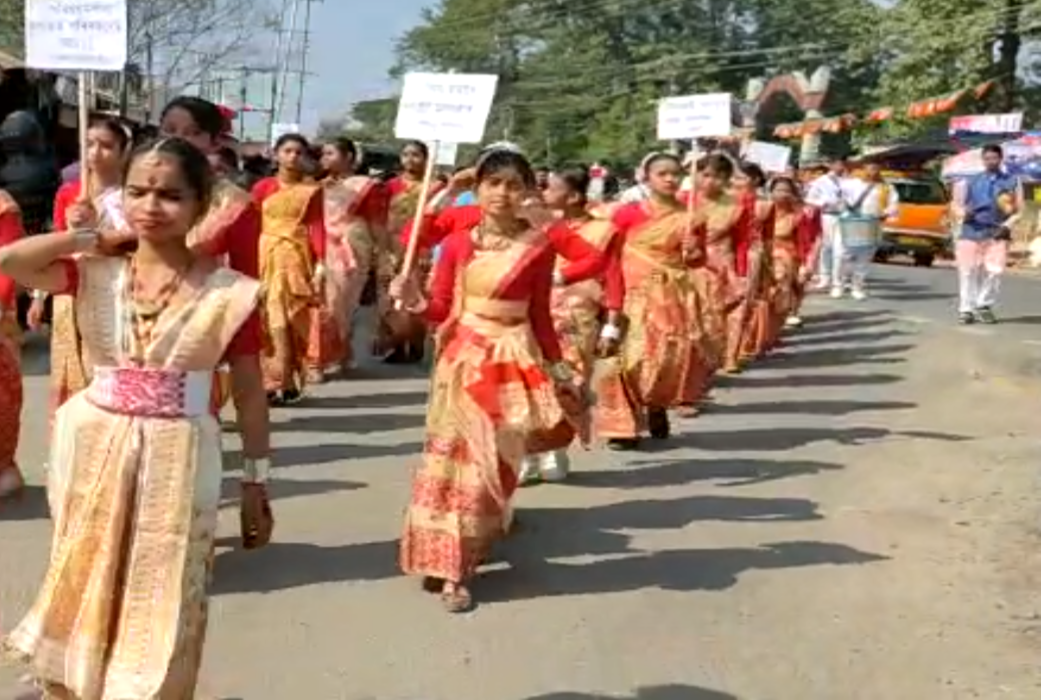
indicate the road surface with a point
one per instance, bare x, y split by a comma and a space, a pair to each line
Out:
850, 521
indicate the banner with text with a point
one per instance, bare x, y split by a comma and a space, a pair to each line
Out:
988, 123
445, 107
695, 116
74, 35
773, 158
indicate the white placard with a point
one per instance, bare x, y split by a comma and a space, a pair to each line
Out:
280, 130
695, 116
771, 157
445, 107
76, 35
446, 153
988, 123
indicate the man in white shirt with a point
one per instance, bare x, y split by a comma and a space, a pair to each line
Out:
869, 201
826, 193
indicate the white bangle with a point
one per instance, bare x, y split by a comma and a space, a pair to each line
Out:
610, 332
558, 279
256, 471
40, 295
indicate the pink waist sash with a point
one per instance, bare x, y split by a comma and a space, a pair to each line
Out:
151, 392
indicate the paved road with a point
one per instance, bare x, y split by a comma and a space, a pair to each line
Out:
753, 557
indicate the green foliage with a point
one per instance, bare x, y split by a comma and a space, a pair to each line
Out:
579, 79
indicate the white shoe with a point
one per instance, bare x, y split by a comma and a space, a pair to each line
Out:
859, 294
793, 321
821, 285
529, 472
837, 292
554, 466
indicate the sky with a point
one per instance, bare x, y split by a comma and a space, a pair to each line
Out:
351, 51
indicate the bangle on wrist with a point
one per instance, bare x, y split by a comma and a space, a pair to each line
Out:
558, 278
85, 240
40, 295
561, 372
611, 332
256, 471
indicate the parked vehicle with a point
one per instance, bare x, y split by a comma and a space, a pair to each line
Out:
921, 228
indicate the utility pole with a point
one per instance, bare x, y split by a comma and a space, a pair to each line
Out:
305, 54
243, 102
279, 47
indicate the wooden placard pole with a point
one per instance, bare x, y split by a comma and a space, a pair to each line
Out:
417, 223
84, 97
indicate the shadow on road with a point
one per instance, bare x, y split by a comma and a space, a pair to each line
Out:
781, 439
674, 570
799, 340
389, 400
842, 356
731, 472
751, 381
898, 290
310, 455
32, 505
658, 692
809, 408
282, 489
356, 424
285, 565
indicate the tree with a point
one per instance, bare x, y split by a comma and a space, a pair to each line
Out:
184, 40
579, 79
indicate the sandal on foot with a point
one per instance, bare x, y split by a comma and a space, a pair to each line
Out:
432, 584
457, 599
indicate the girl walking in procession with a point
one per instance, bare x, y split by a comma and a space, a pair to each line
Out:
577, 308
660, 352
99, 207
292, 267
497, 383
796, 243
354, 223
136, 467
403, 193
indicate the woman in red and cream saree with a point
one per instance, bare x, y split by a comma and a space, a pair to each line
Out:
578, 308
292, 251
107, 143
797, 238
354, 224
727, 226
403, 198
135, 471
659, 348
497, 382
750, 186
11, 481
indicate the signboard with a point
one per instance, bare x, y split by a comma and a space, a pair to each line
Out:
73, 35
988, 123
280, 130
695, 116
445, 107
446, 153
771, 157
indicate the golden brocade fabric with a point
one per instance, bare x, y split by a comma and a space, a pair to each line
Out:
663, 361
70, 371
287, 269
122, 610
491, 403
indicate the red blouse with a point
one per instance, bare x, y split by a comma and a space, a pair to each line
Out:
374, 204
627, 220
248, 340
585, 261
534, 283
314, 217
743, 233
11, 230
66, 197
240, 242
